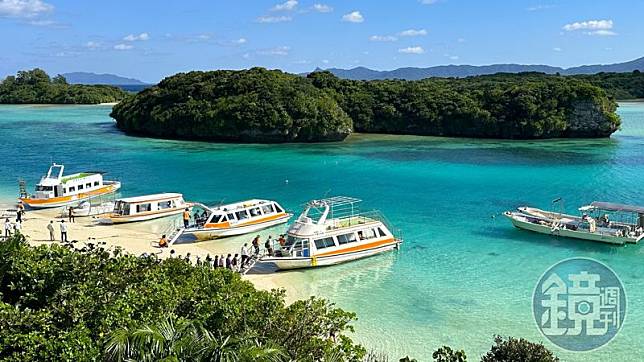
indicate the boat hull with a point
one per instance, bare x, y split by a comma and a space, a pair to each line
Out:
288, 263
35, 203
214, 233
141, 217
521, 222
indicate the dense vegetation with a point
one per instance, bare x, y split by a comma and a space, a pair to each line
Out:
63, 303
36, 87
272, 106
621, 86
252, 105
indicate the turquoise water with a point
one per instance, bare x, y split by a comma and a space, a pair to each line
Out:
463, 274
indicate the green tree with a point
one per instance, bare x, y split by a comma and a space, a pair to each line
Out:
513, 349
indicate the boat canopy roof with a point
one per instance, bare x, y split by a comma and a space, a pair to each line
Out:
235, 206
150, 198
609, 206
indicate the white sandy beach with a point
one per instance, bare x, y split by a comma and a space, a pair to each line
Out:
139, 238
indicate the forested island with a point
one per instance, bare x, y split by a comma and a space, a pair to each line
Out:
259, 105
36, 87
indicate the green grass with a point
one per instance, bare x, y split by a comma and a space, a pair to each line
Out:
77, 176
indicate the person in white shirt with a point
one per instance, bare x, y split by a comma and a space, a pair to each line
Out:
7, 228
244, 255
63, 231
17, 226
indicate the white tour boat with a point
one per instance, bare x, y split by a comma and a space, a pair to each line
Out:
237, 219
87, 208
148, 207
600, 221
55, 189
331, 231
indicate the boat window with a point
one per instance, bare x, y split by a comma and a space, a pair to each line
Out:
88, 185
96, 183
254, 211
324, 243
165, 205
366, 234
242, 215
44, 188
382, 233
143, 207
72, 189
80, 187
64, 191
216, 218
231, 216
267, 209
278, 208
347, 238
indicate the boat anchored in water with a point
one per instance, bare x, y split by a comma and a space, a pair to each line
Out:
237, 219
332, 231
600, 221
147, 207
55, 189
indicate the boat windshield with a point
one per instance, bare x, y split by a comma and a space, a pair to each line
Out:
44, 188
295, 246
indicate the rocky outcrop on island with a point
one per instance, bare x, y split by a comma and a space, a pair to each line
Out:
259, 105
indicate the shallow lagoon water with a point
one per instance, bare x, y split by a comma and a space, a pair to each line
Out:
463, 274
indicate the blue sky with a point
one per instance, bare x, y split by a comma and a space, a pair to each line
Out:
152, 39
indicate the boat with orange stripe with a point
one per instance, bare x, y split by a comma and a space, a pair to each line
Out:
237, 219
332, 231
56, 189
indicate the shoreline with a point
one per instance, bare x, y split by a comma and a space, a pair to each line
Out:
136, 239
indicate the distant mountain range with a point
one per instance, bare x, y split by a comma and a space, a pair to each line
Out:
458, 71
94, 78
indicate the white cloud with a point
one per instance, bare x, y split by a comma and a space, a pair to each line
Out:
325, 61
278, 51
273, 19
453, 57
92, 45
557, 49
413, 32
353, 17
135, 37
303, 61
428, 2
590, 25
123, 46
601, 32
384, 38
24, 8
240, 41
322, 8
412, 50
285, 6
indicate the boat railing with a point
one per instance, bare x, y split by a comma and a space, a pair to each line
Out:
364, 218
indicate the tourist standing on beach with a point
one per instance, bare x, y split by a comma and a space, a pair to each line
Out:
244, 254
17, 227
50, 227
229, 262
63, 232
21, 211
221, 261
71, 214
216, 263
7, 228
235, 263
186, 218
